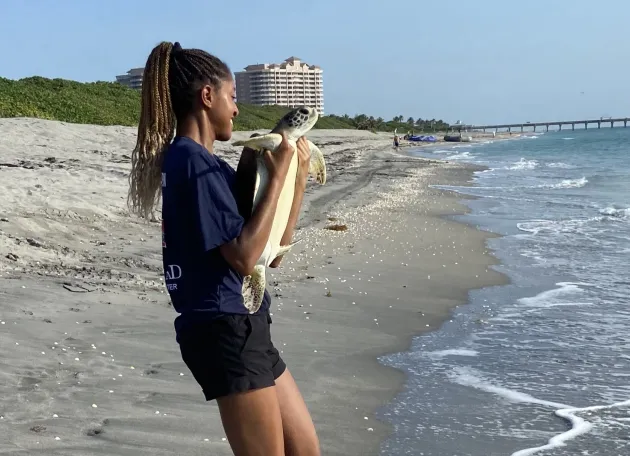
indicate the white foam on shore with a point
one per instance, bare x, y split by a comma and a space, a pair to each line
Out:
579, 426
439, 354
461, 156
522, 164
568, 183
552, 298
468, 377
539, 226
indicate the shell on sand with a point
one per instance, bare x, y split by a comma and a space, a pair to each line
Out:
252, 179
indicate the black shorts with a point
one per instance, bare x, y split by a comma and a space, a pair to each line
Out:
231, 354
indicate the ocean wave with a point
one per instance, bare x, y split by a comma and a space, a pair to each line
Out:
554, 297
579, 426
542, 226
567, 183
616, 212
439, 354
466, 376
461, 156
523, 164
555, 226
559, 165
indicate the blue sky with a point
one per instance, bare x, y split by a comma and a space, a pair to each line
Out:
475, 61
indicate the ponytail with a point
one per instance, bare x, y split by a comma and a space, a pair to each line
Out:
155, 132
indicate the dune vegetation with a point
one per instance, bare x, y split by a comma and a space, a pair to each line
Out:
110, 103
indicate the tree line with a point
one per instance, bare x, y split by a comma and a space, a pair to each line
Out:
365, 122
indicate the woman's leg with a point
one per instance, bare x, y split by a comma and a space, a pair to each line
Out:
253, 423
230, 359
300, 438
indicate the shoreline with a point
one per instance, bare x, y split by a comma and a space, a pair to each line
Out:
432, 316
500, 278
67, 349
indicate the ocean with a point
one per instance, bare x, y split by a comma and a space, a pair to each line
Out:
540, 366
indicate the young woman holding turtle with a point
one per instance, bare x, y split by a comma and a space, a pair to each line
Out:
208, 247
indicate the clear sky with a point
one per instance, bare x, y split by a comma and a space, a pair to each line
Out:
476, 61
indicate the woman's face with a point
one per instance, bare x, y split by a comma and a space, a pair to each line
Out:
223, 109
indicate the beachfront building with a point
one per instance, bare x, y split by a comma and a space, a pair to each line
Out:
290, 83
132, 79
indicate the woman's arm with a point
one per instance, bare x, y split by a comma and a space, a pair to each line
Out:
243, 252
304, 157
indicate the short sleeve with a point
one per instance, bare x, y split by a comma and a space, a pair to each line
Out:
214, 208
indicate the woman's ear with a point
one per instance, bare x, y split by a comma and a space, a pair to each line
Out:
207, 96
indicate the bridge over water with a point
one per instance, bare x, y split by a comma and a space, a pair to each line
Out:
546, 125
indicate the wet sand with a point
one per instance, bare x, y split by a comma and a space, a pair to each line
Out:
89, 363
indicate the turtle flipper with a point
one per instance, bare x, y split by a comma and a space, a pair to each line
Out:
254, 289
270, 141
283, 249
317, 167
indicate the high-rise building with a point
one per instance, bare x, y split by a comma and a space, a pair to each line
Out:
290, 83
132, 79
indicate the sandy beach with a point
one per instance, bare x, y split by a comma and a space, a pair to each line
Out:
89, 362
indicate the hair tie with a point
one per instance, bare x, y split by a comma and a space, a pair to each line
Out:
177, 47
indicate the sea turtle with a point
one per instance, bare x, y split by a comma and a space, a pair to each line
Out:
252, 179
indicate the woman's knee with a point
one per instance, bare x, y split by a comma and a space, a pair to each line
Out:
253, 423
300, 437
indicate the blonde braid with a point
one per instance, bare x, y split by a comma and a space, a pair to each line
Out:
155, 132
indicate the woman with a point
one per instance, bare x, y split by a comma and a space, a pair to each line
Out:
208, 247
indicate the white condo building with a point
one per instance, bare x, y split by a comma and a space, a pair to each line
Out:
290, 83
132, 79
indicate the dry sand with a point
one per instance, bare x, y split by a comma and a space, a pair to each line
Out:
88, 359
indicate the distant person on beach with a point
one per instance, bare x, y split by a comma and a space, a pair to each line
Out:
208, 248
396, 142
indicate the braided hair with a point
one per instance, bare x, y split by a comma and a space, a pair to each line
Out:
171, 82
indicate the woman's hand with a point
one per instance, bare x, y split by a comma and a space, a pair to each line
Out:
304, 161
278, 162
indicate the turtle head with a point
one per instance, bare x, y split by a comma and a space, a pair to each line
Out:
298, 121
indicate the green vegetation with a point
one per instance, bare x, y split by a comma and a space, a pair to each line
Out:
363, 122
110, 103
100, 103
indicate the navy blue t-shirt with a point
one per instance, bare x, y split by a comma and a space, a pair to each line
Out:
199, 214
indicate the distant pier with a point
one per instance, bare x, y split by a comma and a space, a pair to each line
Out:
546, 125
